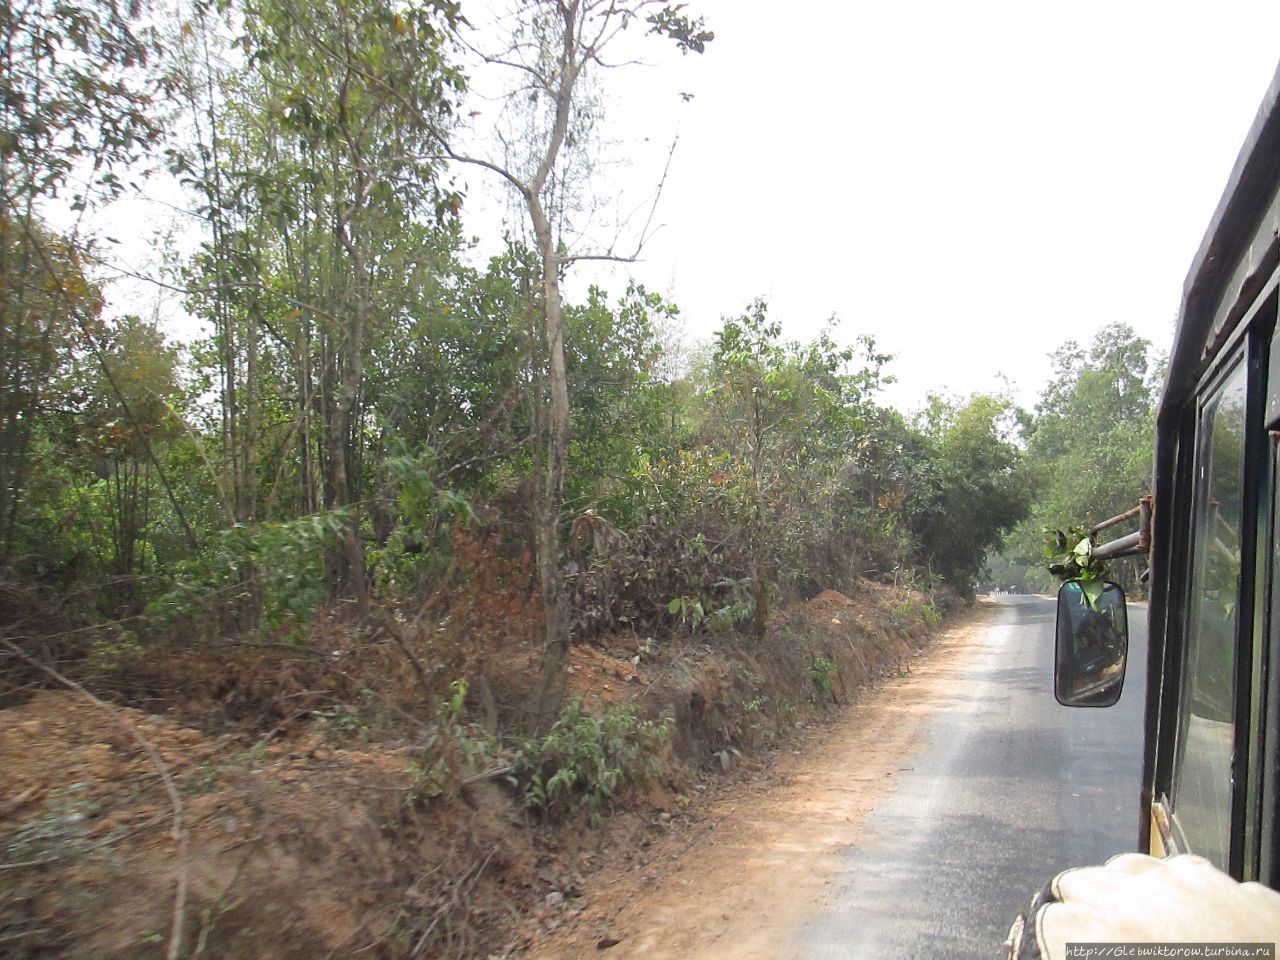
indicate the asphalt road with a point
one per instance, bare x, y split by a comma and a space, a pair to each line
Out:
1008, 789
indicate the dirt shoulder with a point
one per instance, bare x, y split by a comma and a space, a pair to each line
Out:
758, 857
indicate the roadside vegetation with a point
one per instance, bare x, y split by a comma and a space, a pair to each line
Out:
405, 563
1089, 453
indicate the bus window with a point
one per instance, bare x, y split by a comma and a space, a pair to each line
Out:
1206, 727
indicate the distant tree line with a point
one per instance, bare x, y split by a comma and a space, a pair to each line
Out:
1089, 452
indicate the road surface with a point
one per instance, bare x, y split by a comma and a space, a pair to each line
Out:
918, 826
1008, 789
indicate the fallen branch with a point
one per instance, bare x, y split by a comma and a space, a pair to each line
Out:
483, 775
392, 631
460, 887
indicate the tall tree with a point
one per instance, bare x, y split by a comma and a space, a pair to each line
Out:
976, 490
75, 93
553, 47
313, 177
1089, 452
126, 413
789, 414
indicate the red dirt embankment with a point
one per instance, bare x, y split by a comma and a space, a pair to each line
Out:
760, 858
296, 848
324, 838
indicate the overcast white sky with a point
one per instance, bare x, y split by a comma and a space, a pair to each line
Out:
970, 183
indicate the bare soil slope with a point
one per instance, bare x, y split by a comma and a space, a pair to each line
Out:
739, 881
322, 830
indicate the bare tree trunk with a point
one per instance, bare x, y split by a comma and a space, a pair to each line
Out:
349, 375
351, 372
555, 601
252, 420
759, 577
353, 555
18, 422
550, 485
310, 502
567, 36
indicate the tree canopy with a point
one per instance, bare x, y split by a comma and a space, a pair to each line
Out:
368, 417
1089, 448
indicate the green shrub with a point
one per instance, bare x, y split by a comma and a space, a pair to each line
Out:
822, 673
453, 747
931, 615
270, 574
909, 613
585, 758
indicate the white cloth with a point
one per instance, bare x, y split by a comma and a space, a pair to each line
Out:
1135, 898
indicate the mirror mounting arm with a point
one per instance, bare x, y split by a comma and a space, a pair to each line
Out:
1134, 543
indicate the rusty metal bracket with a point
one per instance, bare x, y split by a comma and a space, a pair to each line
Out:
1132, 545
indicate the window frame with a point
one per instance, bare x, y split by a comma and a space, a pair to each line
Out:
1252, 788
1207, 423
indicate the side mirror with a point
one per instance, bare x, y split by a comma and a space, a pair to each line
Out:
1092, 645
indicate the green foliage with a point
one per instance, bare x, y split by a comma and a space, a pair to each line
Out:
787, 414
911, 612
689, 610
689, 33
585, 758
78, 91
364, 397
975, 487
275, 570
1089, 451
78, 98
453, 747
1070, 557
822, 674
619, 409
423, 512
737, 604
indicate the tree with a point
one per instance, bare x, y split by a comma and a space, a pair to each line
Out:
316, 178
617, 404
789, 414
1090, 445
40, 319
976, 490
551, 50
74, 99
129, 387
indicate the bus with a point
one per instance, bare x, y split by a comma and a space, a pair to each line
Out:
1211, 765
1212, 716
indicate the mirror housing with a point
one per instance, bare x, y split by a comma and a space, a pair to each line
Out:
1092, 645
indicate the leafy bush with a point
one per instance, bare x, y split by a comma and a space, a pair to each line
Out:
675, 537
271, 574
932, 614
585, 758
822, 673
911, 612
424, 514
453, 746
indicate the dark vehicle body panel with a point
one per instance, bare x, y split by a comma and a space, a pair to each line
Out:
1227, 317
